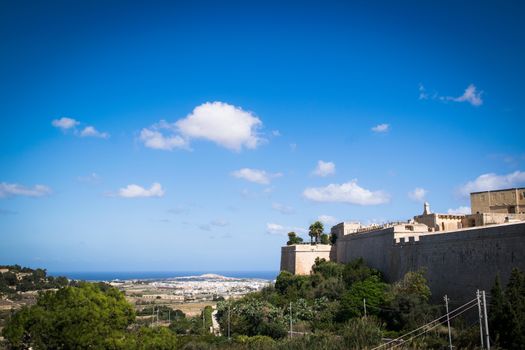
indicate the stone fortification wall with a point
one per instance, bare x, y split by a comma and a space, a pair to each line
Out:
298, 259
457, 262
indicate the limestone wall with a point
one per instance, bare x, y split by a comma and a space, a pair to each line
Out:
298, 259
457, 262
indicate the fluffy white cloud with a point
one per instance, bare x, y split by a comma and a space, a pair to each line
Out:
8, 190
154, 138
277, 229
324, 168
381, 128
283, 209
135, 191
90, 131
491, 181
328, 220
224, 124
418, 194
65, 123
471, 95
255, 175
349, 192
459, 210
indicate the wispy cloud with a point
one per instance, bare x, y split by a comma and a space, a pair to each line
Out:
278, 229
471, 95
255, 175
381, 128
491, 181
328, 220
90, 131
219, 223
66, 124
459, 210
9, 190
349, 192
324, 169
226, 125
417, 194
283, 209
136, 191
92, 178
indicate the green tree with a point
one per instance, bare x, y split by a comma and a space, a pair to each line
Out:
315, 231
86, 316
372, 289
293, 239
408, 303
507, 312
356, 270
325, 239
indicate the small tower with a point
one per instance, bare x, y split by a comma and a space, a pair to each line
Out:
426, 209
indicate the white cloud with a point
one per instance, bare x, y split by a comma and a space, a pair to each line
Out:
283, 209
90, 131
8, 190
135, 191
460, 210
470, 95
418, 194
64, 123
381, 128
226, 125
276, 133
491, 181
324, 169
277, 229
328, 220
160, 136
255, 175
349, 192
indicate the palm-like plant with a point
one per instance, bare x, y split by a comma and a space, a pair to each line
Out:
315, 231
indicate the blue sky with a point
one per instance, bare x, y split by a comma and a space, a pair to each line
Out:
193, 136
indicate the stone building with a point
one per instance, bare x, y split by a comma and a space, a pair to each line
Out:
509, 201
439, 222
460, 253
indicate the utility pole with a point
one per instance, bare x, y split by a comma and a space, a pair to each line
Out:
291, 330
480, 318
229, 321
364, 305
158, 316
448, 323
169, 316
487, 340
153, 315
203, 322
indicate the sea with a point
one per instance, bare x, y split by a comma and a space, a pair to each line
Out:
94, 276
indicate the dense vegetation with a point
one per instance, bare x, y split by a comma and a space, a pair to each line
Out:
23, 279
327, 310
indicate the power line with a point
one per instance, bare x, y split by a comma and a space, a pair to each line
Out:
423, 326
431, 328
